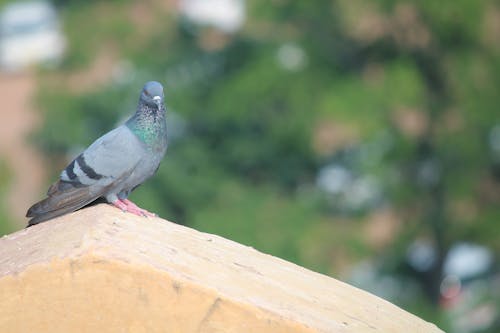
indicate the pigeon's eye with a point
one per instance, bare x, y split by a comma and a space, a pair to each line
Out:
146, 93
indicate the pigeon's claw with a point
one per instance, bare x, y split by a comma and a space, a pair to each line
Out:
120, 205
134, 209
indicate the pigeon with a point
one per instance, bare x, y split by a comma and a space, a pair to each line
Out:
114, 165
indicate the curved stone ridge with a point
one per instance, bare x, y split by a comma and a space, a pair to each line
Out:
101, 270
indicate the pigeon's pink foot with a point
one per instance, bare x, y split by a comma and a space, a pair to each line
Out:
134, 209
120, 205
128, 206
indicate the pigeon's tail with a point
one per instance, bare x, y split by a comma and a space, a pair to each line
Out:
63, 198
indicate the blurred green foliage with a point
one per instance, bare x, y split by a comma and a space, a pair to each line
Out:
411, 85
5, 227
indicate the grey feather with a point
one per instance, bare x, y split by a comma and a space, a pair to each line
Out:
114, 164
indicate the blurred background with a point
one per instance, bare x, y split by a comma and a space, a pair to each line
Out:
359, 139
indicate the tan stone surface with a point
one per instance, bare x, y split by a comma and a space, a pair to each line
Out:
101, 270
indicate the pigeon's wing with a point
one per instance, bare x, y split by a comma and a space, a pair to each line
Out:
105, 163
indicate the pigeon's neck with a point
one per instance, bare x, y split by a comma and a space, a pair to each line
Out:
149, 124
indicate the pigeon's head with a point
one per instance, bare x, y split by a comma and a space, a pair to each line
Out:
152, 94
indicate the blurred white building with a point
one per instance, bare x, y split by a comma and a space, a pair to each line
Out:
225, 15
30, 34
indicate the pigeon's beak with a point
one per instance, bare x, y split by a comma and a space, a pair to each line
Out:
157, 100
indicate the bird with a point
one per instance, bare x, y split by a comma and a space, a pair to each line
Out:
113, 165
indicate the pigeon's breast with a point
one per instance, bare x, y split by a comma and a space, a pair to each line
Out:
146, 168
